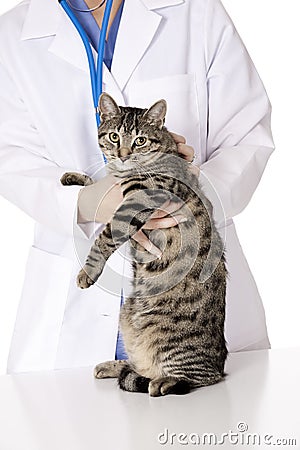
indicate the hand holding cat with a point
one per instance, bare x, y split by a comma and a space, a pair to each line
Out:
186, 151
99, 201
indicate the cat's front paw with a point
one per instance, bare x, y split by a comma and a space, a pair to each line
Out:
109, 369
68, 179
74, 178
83, 280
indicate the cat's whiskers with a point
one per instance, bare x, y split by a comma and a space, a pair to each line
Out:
144, 172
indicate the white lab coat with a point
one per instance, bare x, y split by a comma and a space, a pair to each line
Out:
187, 52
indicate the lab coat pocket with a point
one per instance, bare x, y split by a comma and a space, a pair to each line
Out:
40, 312
180, 92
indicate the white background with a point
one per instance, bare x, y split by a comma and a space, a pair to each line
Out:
267, 228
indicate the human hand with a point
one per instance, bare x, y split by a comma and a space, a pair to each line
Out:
187, 152
99, 201
161, 218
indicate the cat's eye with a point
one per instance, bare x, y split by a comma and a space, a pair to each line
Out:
139, 141
114, 137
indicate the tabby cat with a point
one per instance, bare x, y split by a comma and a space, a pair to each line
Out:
173, 322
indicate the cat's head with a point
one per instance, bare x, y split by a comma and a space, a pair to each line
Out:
133, 138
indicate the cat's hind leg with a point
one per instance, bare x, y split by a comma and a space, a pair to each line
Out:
71, 178
110, 369
169, 385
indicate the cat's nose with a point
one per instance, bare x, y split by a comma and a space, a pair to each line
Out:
124, 153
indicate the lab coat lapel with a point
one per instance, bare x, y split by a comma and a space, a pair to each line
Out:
137, 28
156, 4
42, 19
67, 44
47, 18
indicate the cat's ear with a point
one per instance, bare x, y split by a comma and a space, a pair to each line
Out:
108, 107
157, 113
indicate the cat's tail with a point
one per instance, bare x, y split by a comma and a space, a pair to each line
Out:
131, 381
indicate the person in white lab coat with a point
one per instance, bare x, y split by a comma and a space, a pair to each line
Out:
186, 51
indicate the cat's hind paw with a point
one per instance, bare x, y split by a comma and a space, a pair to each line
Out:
83, 280
168, 385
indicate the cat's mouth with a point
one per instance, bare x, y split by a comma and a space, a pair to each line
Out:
123, 164
133, 161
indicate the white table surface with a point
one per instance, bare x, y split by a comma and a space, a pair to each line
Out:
70, 410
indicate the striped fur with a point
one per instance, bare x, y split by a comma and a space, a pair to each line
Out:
173, 322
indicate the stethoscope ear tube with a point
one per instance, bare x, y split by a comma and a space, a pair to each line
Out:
99, 73
96, 75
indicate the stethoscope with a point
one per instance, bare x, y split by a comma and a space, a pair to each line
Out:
96, 74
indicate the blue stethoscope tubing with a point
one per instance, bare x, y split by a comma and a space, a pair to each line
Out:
96, 74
